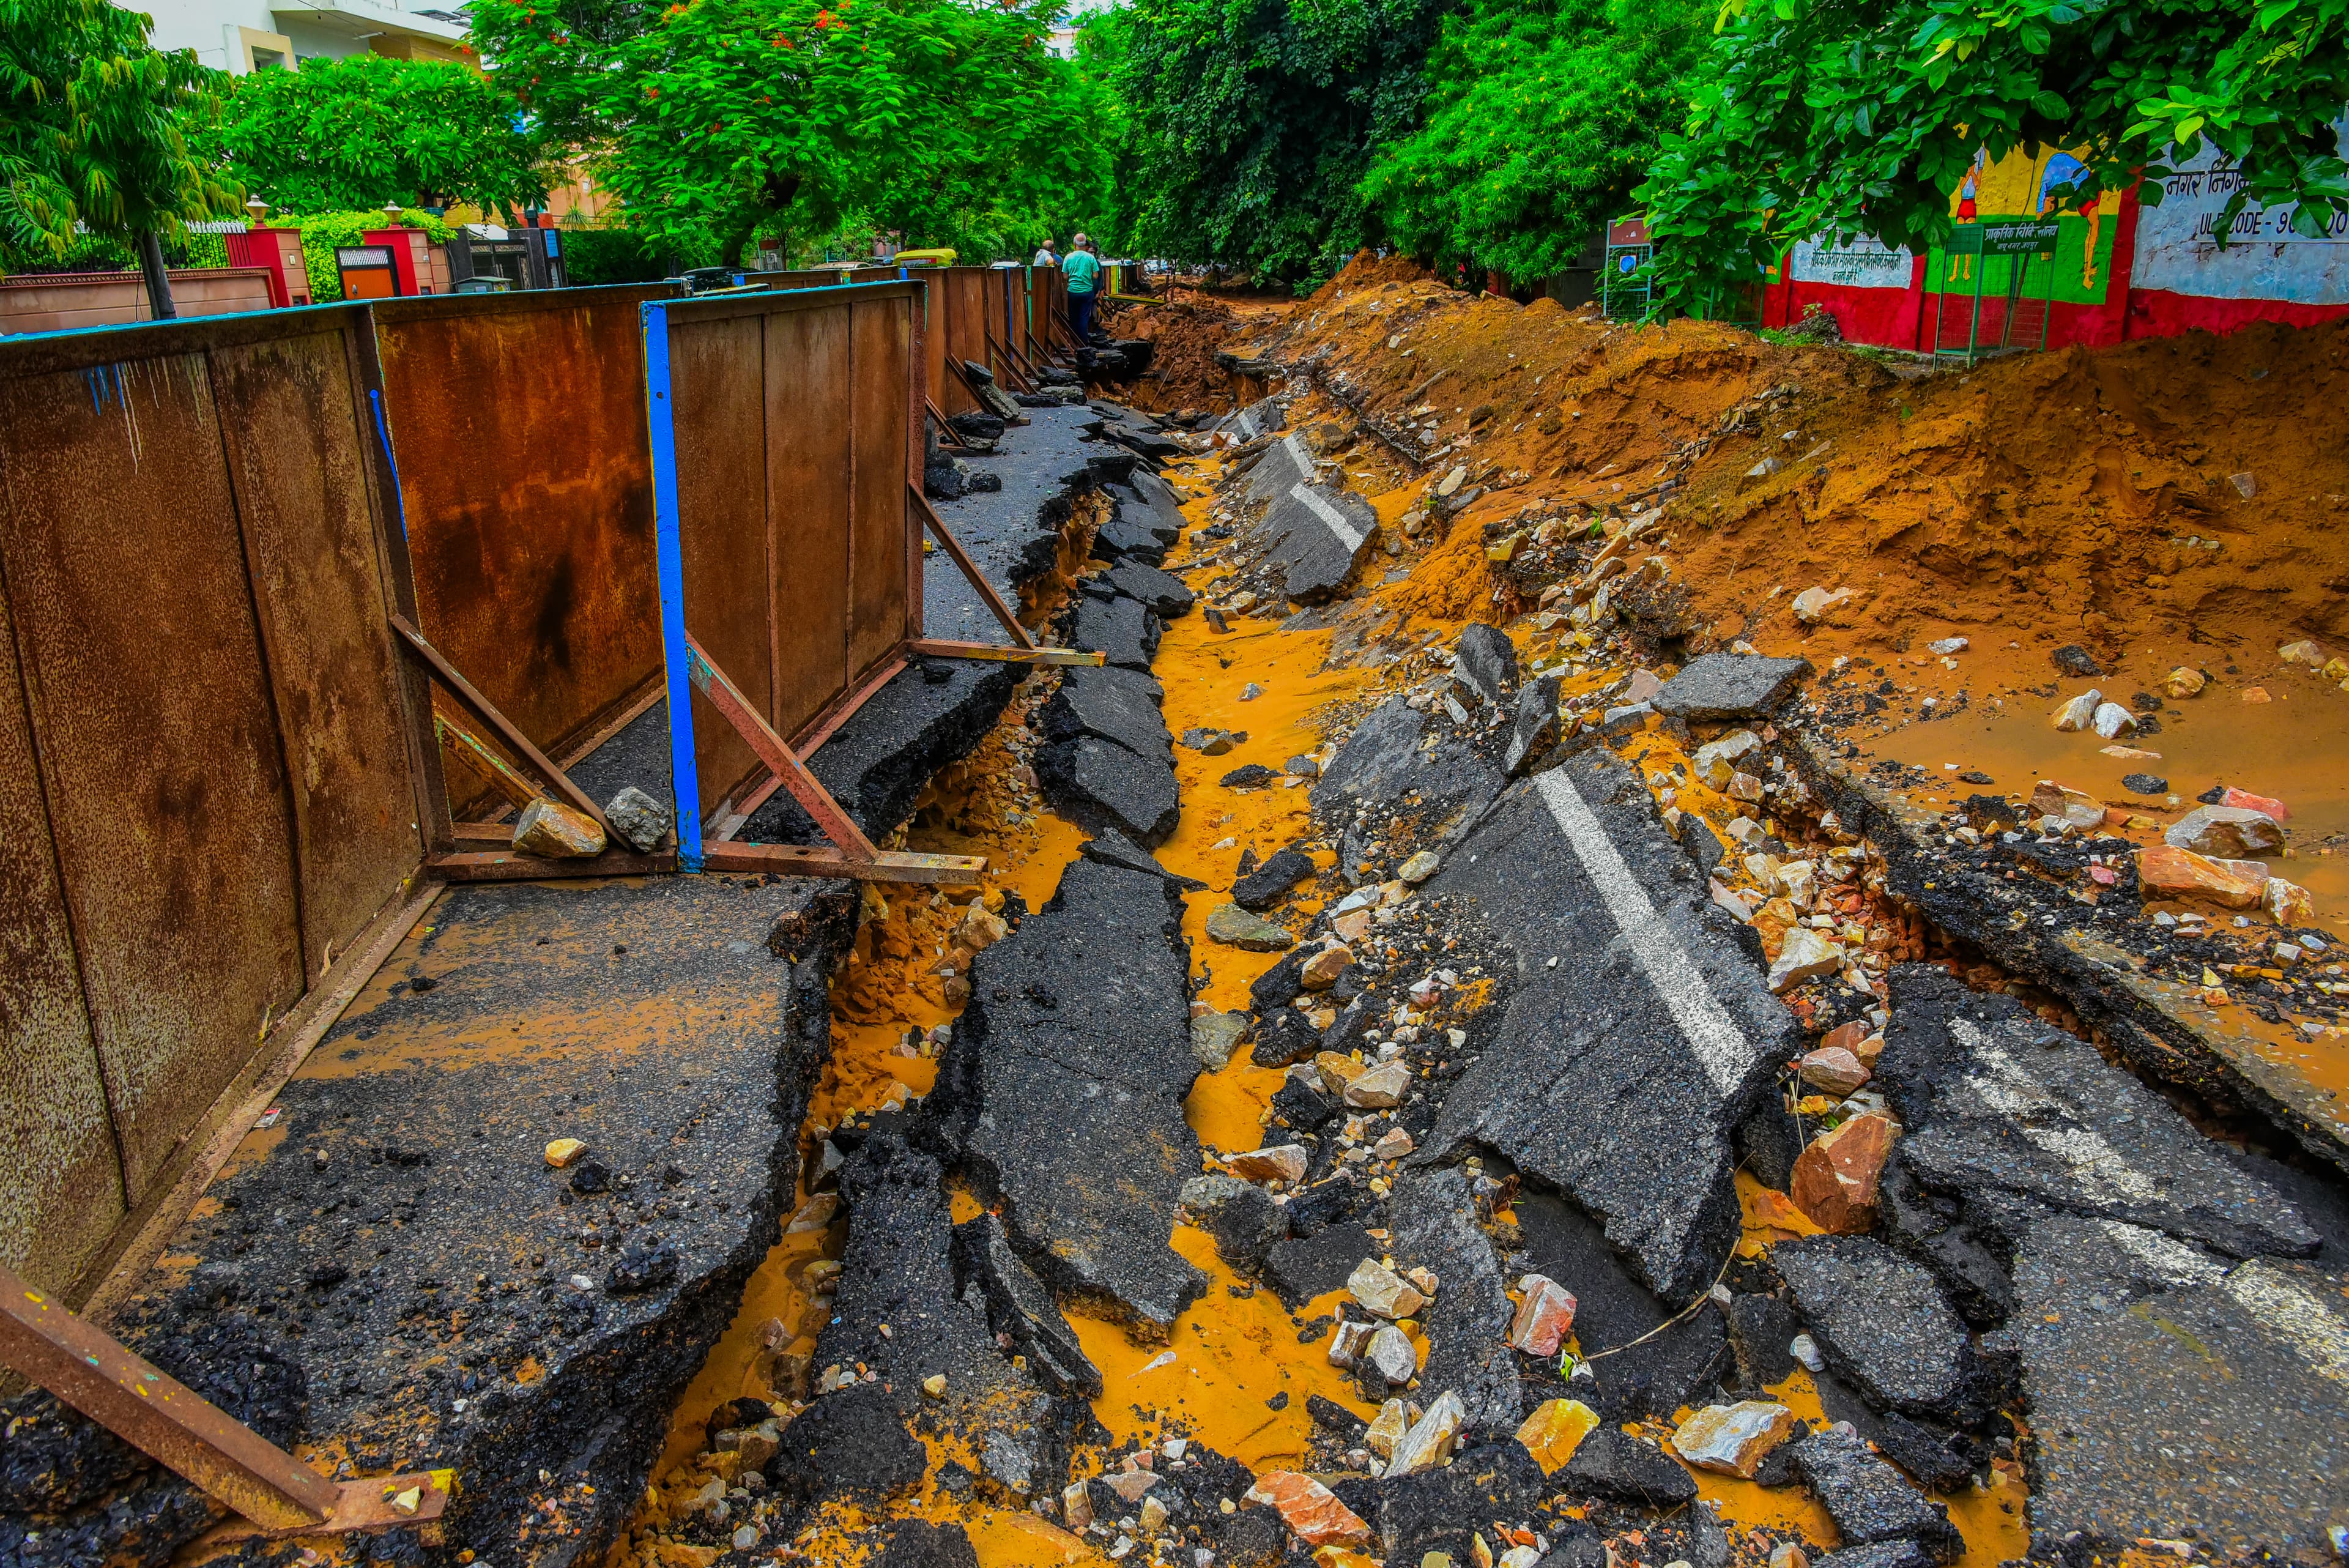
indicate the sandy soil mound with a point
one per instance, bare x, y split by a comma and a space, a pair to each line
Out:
1182, 371
2191, 486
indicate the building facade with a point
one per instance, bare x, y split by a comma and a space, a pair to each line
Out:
241, 35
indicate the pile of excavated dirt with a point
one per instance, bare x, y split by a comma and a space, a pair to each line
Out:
2184, 487
1183, 373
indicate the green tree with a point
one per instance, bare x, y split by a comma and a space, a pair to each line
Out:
1542, 116
726, 120
1253, 122
93, 129
1859, 117
354, 133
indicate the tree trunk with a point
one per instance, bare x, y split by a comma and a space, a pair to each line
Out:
158, 282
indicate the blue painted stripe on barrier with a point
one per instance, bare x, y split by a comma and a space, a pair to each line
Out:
670, 558
383, 434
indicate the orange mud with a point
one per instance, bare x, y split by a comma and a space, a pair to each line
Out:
1184, 334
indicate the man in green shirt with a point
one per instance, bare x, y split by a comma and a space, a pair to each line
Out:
1083, 272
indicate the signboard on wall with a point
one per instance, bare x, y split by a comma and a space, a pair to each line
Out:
1861, 263
2264, 257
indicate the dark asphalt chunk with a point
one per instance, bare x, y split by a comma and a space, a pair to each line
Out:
1618, 1076
1762, 1332
1115, 703
850, 1446
1317, 535
1436, 1511
1382, 761
1610, 1463
1487, 660
1435, 1226
1720, 686
1165, 518
1258, 417
2174, 1396
1304, 1267
1651, 1369
897, 1270
1900, 1553
2000, 1103
1871, 1502
1164, 592
1105, 787
1071, 1060
460, 1244
1535, 728
1019, 1305
1284, 464
1879, 1320
1123, 539
1270, 882
917, 1543
1114, 848
1121, 630
1241, 1216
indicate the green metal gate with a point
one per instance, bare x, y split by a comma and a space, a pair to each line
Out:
2012, 268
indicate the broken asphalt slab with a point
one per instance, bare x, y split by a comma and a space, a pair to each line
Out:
1317, 535
2174, 1396
1717, 687
1618, 1074
1385, 761
451, 1301
2004, 1108
1881, 1321
1467, 1325
1073, 1059
1013, 534
1121, 631
907, 1267
1108, 761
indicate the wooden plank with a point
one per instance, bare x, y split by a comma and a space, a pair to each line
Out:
936, 648
886, 866
814, 798
482, 708
475, 754
961, 557
505, 866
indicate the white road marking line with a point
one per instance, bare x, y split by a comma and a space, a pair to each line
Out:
1296, 450
2009, 1088
1719, 1044
2275, 1301
1335, 520
2296, 1314
1247, 426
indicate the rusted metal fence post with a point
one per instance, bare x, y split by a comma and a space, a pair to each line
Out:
175, 1426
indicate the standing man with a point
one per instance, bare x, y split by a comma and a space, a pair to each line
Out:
1046, 255
1085, 277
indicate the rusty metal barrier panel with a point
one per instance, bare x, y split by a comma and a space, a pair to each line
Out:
207, 788
791, 554
519, 425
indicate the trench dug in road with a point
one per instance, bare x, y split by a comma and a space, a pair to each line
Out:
1417, 1092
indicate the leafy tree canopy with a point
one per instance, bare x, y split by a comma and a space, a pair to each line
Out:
1859, 117
358, 132
1541, 117
1253, 122
728, 118
94, 127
